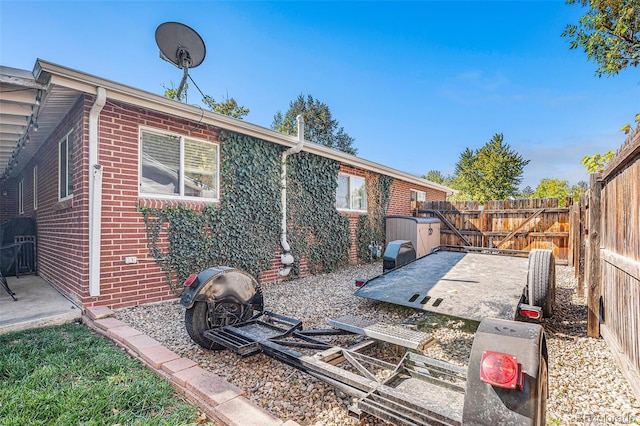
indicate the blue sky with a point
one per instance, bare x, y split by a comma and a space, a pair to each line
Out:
415, 83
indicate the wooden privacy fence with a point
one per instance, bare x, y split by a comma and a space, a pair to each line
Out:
606, 237
506, 224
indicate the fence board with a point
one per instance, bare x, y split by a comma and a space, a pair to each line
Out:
614, 293
505, 223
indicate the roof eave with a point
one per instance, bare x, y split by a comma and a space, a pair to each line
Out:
47, 72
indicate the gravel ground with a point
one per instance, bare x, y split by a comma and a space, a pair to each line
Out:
585, 384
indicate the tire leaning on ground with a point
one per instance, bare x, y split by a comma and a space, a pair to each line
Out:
203, 316
541, 280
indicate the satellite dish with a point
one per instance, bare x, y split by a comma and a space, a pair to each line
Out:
180, 45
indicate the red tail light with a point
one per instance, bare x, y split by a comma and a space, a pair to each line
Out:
502, 370
190, 279
360, 282
529, 311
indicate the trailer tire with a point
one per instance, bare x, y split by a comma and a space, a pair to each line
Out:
541, 281
203, 316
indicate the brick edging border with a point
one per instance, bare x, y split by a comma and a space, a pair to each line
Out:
220, 400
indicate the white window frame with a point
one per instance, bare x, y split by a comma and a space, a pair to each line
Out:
67, 194
182, 139
35, 187
21, 196
417, 192
351, 195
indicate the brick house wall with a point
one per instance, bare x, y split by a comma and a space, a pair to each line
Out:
123, 228
8, 199
400, 203
63, 227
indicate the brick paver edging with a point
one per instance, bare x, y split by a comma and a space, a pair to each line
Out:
220, 400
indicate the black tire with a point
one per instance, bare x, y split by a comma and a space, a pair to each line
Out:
200, 318
541, 281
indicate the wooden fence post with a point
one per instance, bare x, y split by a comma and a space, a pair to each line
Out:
581, 242
573, 227
595, 273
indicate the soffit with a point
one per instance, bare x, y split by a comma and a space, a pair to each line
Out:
29, 111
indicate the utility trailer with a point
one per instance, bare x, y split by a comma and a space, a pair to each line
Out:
466, 282
506, 380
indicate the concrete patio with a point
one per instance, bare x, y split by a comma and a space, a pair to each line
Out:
38, 305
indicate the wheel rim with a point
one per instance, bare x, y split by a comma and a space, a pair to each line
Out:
224, 313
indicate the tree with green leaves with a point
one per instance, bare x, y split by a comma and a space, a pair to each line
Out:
609, 33
527, 192
492, 172
437, 177
578, 189
597, 162
228, 106
319, 125
553, 188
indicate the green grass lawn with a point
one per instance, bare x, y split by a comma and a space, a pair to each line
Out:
69, 375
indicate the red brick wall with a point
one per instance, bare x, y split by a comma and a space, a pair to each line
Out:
400, 203
123, 228
63, 233
8, 202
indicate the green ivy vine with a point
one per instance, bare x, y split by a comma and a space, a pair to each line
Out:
371, 227
317, 231
243, 230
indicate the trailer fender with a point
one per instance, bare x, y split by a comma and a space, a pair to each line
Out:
222, 283
486, 404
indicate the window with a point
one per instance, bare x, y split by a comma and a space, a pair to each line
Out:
65, 166
417, 199
351, 193
35, 187
175, 166
21, 196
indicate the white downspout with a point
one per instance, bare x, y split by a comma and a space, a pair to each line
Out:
95, 194
286, 258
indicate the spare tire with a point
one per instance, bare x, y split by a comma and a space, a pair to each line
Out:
219, 297
541, 280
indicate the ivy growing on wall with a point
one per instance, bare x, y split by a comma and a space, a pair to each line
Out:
371, 227
243, 230
317, 231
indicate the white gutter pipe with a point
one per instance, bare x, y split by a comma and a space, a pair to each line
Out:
286, 258
95, 194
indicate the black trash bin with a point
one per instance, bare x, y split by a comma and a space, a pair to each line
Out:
398, 253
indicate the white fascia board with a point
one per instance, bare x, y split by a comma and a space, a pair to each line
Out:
88, 83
